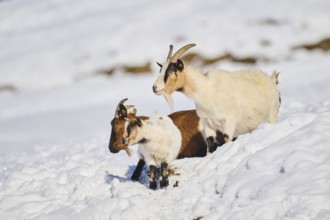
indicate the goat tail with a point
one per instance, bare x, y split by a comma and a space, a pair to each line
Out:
275, 77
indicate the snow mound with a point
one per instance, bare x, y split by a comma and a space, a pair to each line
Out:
279, 171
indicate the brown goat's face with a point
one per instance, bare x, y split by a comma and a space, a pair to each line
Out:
169, 79
118, 127
117, 132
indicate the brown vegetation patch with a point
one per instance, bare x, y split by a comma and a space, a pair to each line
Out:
265, 43
232, 58
172, 171
323, 45
7, 87
194, 57
144, 68
130, 69
107, 72
270, 21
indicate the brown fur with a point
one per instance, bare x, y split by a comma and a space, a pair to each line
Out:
117, 131
193, 144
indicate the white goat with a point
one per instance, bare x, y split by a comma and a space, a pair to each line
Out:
159, 144
231, 103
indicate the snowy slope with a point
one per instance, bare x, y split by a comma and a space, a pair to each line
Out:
277, 172
54, 128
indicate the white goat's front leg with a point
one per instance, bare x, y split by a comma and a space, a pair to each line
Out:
229, 130
210, 135
153, 169
217, 135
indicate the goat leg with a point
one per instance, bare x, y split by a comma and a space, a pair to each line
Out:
138, 170
218, 141
164, 173
153, 172
212, 145
221, 138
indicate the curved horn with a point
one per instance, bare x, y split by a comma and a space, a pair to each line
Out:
117, 112
170, 53
177, 55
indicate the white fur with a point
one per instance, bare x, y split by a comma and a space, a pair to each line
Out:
232, 102
163, 140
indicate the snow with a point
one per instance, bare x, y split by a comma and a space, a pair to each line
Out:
54, 128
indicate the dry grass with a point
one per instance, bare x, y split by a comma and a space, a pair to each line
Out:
7, 87
172, 171
139, 69
202, 61
322, 45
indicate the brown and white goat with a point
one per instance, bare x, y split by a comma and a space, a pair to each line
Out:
193, 143
229, 103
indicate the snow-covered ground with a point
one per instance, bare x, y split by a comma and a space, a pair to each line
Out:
55, 125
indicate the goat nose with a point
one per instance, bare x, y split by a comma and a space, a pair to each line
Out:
154, 88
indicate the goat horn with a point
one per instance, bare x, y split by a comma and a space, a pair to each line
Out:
170, 53
119, 108
177, 55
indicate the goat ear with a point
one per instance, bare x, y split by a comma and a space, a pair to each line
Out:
122, 111
160, 65
138, 122
179, 65
133, 112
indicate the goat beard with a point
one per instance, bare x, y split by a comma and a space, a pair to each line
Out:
169, 100
128, 151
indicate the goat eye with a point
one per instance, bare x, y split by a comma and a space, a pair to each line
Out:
129, 129
170, 70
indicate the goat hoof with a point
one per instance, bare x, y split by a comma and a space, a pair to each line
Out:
212, 148
153, 185
164, 183
135, 178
